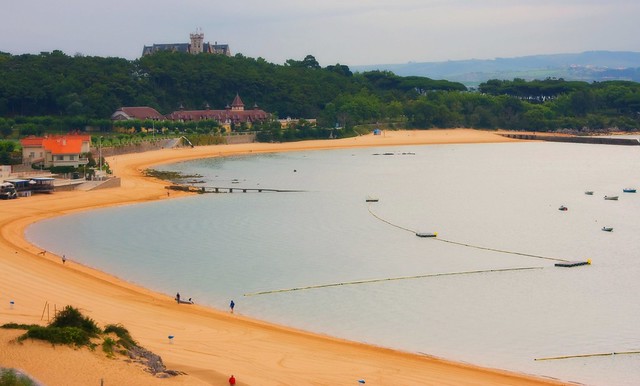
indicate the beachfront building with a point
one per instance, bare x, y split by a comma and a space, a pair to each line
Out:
288, 121
140, 113
196, 45
51, 151
233, 115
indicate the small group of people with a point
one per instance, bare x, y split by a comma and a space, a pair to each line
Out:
43, 253
183, 301
232, 305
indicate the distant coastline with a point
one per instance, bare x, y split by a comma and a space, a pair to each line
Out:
587, 66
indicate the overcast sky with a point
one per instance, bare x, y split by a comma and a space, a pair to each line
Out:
351, 32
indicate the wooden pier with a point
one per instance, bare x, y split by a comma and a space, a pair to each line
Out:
224, 189
570, 264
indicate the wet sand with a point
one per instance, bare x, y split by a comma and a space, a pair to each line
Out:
209, 344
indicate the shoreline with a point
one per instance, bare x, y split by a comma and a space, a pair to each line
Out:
210, 344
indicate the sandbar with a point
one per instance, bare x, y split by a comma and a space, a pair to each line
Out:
209, 344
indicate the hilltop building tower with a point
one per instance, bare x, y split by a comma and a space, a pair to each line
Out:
196, 45
196, 42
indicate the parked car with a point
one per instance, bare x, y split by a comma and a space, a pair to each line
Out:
7, 191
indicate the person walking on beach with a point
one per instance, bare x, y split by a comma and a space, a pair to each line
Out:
232, 380
178, 297
231, 305
64, 259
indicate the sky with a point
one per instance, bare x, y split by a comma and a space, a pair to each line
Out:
351, 32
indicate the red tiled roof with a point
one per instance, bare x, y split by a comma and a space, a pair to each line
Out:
31, 142
63, 145
57, 144
141, 113
237, 102
219, 115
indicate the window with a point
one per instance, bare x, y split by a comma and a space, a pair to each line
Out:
59, 158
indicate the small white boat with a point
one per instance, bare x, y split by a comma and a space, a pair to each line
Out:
372, 199
615, 198
607, 229
629, 190
427, 234
563, 208
589, 192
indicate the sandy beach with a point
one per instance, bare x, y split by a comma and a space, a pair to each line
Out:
209, 344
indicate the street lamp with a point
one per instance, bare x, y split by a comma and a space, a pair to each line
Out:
100, 153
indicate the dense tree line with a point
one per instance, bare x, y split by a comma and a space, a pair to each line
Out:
54, 84
54, 91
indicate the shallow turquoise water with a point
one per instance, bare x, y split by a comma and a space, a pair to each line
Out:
217, 247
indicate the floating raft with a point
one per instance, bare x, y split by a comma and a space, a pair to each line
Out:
427, 234
569, 264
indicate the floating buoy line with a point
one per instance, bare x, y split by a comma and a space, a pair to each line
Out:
587, 355
563, 262
367, 281
433, 235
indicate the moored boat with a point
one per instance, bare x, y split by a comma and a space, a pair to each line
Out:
629, 190
607, 229
589, 192
563, 208
611, 198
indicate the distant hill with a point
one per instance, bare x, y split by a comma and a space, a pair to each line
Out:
587, 66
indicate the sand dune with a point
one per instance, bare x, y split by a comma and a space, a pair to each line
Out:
209, 345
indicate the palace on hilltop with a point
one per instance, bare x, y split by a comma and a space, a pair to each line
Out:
195, 46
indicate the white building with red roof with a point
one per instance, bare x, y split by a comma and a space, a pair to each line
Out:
64, 150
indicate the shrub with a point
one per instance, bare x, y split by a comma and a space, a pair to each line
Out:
16, 326
125, 338
107, 346
58, 335
8, 377
71, 317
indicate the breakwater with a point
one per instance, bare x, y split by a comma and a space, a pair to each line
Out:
574, 139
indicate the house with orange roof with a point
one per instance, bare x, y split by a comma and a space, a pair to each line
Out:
66, 150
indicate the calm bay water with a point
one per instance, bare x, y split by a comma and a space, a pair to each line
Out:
218, 247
